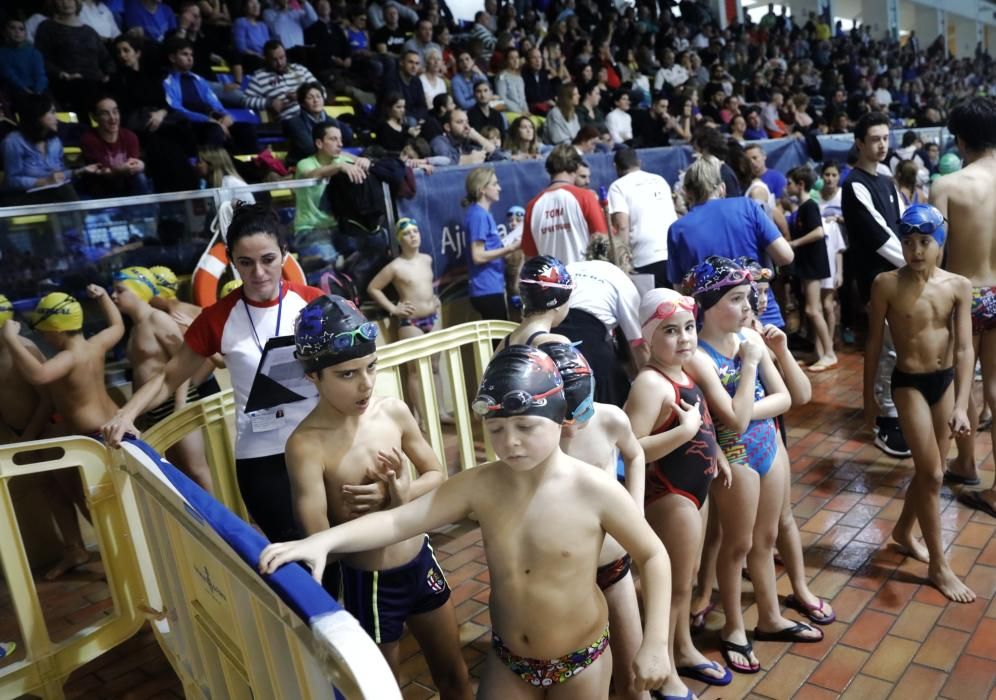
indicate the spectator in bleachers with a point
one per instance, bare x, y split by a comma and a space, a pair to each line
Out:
218, 170
483, 113
288, 24
34, 171
406, 81
683, 110
738, 129
422, 41
153, 18
442, 105
521, 142
114, 149
188, 26
98, 16
434, 76
562, 121
459, 142
192, 98
76, 60
249, 36
754, 130
670, 74
540, 90
589, 109
390, 37
274, 86
395, 128
22, 67
299, 130
329, 51
483, 32
377, 12
654, 127
509, 84
137, 89
618, 121
467, 76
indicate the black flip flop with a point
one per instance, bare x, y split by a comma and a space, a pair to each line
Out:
745, 650
972, 499
953, 478
789, 634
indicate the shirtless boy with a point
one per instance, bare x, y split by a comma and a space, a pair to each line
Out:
543, 516
24, 407
919, 300
155, 337
352, 437
417, 309
596, 433
75, 377
965, 199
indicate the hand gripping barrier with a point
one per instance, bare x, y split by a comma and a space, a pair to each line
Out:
48, 664
227, 633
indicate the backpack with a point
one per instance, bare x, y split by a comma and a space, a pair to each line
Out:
340, 284
359, 207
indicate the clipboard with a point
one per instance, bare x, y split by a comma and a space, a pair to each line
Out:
279, 377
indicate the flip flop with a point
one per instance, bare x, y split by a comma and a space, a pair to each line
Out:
952, 478
972, 499
698, 673
985, 423
791, 601
789, 634
745, 650
658, 695
698, 620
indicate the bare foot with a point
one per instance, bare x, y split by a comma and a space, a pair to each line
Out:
951, 586
911, 546
70, 560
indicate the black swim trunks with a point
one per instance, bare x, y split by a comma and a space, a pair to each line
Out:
931, 385
383, 600
613, 572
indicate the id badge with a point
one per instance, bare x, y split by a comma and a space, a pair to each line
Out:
265, 421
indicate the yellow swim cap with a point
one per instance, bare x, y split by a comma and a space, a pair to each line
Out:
57, 312
229, 287
403, 226
166, 281
6, 310
138, 280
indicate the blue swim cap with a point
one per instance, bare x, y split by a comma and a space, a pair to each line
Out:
517, 210
924, 219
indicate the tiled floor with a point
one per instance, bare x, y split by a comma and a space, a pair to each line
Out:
896, 637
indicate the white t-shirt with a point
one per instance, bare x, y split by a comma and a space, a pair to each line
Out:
831, 207
768, 202
607, 293
225, 327
99, 18
620, 126
835, 244
647, 199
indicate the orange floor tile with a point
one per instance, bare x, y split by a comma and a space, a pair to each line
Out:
896, 637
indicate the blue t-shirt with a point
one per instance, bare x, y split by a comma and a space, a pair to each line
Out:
775, 182
488, 278
728, 227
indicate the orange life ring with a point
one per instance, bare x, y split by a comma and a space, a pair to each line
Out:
211, 266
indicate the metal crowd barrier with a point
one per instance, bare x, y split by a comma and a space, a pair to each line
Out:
226, 633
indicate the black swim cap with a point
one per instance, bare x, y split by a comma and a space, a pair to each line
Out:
544, 284
521, 381
330, 330
579, 380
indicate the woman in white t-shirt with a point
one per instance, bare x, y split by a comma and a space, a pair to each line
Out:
833, 227
433, 78
239, 326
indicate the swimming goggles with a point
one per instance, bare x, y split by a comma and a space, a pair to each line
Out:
732, 279
925, 227
514, 402
667, 309
347, 339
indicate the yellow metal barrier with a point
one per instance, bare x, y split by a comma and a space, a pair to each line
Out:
226, 633
48, 664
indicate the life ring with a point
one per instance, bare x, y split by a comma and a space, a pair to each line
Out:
211, 266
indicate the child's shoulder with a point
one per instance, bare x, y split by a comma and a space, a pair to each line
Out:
951, 279
650, 379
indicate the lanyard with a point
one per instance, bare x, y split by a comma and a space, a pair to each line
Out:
280, 308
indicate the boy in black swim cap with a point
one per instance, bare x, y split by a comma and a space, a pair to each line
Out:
595, 433
542, 515
347, 458
545, 286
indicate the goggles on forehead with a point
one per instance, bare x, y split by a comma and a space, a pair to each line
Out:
667, 309
347, 339
514, 402
733, 278
542, 283
928, 228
